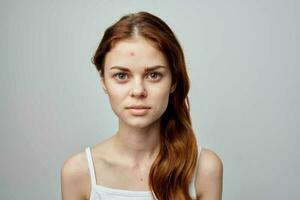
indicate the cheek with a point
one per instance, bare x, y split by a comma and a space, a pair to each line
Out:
162, 91
161, 98
115, 91
116, 102
115, 94
115, 97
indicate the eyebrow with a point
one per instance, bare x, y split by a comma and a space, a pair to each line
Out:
146, 70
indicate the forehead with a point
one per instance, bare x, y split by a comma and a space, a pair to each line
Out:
135, 51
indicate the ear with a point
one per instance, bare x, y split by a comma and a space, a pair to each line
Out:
103, 85
173, 87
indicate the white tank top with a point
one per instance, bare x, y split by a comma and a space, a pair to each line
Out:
99, 192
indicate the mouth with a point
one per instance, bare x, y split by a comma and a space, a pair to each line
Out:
138, 107
138, 110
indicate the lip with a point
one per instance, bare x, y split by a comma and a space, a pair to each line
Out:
138, 110
138, 107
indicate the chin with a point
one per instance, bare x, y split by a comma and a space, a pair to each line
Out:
139, 122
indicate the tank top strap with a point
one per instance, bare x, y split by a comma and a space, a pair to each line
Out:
192, 188
91, 165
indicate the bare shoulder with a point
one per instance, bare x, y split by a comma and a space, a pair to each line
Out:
209, 176
210, 162
75, 181
75, 167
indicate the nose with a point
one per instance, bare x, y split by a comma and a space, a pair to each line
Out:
138, 89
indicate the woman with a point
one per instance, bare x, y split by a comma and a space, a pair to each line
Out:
154, 153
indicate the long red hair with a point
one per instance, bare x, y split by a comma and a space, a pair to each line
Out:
172, 171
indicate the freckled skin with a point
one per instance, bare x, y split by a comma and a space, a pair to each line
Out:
131, 54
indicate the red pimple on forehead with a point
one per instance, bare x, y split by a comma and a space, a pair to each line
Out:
131, 53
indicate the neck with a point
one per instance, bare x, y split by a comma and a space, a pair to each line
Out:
138, 146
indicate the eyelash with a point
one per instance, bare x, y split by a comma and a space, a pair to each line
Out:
116, 75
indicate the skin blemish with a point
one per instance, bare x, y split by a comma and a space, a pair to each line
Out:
131, 53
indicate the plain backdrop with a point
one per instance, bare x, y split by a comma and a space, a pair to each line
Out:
243, 62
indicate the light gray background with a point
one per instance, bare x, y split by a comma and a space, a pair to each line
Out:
243, 61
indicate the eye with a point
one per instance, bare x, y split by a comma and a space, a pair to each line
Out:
120, 76
155, 75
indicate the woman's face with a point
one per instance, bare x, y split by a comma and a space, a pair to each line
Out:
137, 79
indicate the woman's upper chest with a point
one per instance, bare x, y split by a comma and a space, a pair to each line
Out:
112, 173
